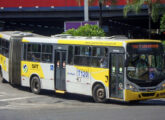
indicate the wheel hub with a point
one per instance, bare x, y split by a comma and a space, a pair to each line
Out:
100, 93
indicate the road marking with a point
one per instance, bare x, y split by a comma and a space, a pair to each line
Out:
20, 98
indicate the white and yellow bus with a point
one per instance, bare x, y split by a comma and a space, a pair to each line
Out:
101, 67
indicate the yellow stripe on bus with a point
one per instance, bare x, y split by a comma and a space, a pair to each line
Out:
1, 35
91, 42
24, 40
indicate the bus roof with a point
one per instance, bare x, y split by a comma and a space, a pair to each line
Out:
95, 41
8, 34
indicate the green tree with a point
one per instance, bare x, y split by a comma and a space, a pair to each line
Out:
101, 3
87, 30
162, 24
154, 8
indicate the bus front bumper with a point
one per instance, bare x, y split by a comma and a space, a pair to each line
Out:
131, 95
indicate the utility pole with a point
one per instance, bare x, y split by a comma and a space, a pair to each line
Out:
86, 12
101, 13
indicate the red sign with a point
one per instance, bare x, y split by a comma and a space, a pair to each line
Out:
145, 46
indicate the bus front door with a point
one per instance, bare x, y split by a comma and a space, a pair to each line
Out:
60, 64
117, 75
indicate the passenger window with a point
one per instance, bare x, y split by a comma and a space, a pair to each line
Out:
36, 48
5, 48
77, 50
34, 52
47, 53
70, 55
47, 48
25, 52
47, 58
82, 55
100, 57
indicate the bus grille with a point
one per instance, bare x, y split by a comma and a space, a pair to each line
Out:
148, 94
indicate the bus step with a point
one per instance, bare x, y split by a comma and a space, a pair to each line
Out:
60, 91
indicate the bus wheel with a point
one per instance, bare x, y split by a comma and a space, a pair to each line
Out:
35, 85
99, 93
1, 77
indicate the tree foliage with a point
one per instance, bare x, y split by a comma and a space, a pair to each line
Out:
87, 30
162, 24
136, 6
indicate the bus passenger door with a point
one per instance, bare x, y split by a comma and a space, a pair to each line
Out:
60, 67
116, 75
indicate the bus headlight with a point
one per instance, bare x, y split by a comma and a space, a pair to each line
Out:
163, 86
131, 87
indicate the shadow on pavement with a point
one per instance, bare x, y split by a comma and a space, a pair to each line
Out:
66, 96
83, 98
139, 103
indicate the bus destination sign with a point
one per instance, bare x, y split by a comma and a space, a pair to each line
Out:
142, 48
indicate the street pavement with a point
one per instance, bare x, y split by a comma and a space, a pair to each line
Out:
21, 104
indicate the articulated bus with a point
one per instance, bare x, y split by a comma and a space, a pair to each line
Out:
101, 67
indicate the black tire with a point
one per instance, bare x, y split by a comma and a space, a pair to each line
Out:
35, 85
1, 77
99, 94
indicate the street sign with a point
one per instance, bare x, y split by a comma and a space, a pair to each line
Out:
76, 24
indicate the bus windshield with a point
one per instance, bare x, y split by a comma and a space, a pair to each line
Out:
145, 67
145, 62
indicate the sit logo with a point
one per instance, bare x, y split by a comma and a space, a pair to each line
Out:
25, 68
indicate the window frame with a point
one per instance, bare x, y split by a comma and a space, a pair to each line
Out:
73, 51
99, 57
5, 48
41, 53
90, 51
89, 64
46, 53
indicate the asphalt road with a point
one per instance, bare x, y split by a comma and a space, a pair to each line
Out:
21, 104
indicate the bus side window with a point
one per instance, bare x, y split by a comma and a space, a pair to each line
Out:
82, 55
3, 47
47, 53
34, 52
76, 55
25, 52
7, 49
29, 50
70, 55
100, 57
